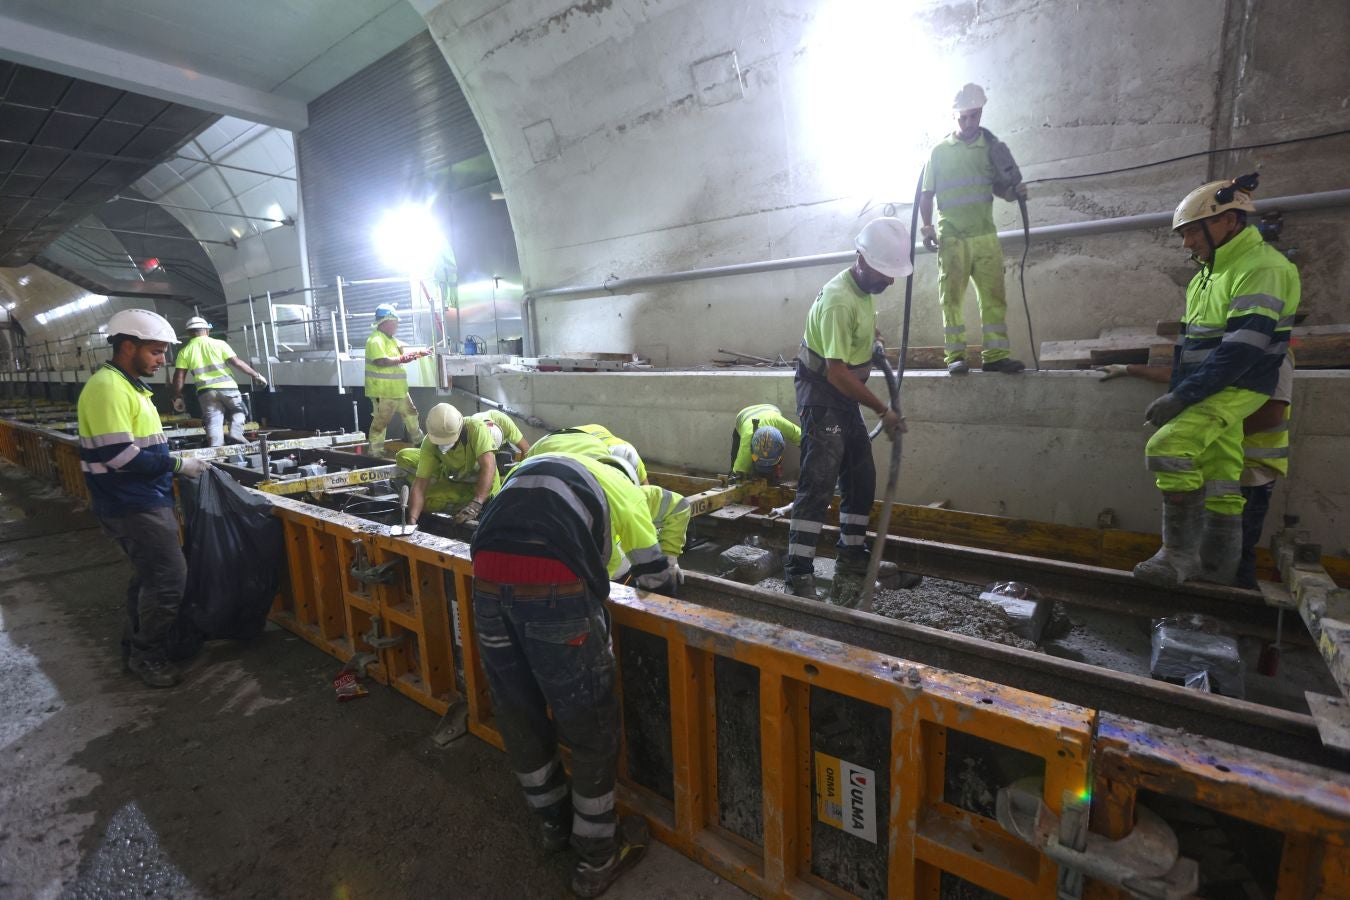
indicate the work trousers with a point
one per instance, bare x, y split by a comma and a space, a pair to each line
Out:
962, 260
1202, 449
383, 410
1254, 511
835, 450
216, 406
442, 493
554, 653
150, 541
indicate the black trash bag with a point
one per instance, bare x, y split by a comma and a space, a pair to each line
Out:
236, 555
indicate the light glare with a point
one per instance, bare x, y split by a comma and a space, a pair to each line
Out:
409, 240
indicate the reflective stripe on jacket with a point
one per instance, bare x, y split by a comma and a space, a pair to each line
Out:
384, 381
207, 361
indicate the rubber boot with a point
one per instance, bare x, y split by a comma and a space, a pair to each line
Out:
591, 880
1179, 558
1220, 548
803, 586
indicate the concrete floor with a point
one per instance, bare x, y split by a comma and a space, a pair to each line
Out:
249, 780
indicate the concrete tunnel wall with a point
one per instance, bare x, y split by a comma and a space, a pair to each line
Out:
644, 137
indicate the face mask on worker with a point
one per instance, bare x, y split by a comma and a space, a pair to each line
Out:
444, 448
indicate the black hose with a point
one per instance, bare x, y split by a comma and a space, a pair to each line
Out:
1022, 279
893, 379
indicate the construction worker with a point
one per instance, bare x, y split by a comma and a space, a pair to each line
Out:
833, 365
126, 463
618, 447
670, 517
758, 439
207, 360
455, 466
962, 177
545, 551
386, 382
1240, 311
1265, 453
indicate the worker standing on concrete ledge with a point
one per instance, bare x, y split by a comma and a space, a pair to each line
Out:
618, 447
757, 441
207, 360
546, 548
833, 365
1240, 311
126, 463
386, 382
1265, 453
455, 466
962, 176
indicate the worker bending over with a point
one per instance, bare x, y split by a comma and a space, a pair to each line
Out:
758, 438
962, 177
618, 447
455, 466
1240, 311
546, 548
1265, 453
387, 382
126, 464
833, 365
208, 360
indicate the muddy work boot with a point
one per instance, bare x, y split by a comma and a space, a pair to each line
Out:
590, 880
1220, 548
156, 672
1179, 558
958, 367
803, 586
849, 576
1006, 366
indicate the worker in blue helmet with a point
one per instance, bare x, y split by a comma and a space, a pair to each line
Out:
387, 382
758, 440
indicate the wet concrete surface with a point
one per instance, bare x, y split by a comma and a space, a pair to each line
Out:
249, 780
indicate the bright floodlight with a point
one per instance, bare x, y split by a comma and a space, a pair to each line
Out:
409, 240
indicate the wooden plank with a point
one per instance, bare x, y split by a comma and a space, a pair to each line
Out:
1332, 715
1078, 354
1121, 356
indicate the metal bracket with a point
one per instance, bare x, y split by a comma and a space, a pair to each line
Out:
372, 637
453, 725
1146, 862
385, 573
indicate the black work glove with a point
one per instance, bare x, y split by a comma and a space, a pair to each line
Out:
1164, 409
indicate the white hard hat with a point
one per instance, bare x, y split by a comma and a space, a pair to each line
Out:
143, 324
623, 465
969, 97
1214, 198
494, 431
885, 246
628, 453
444, 423
197, 322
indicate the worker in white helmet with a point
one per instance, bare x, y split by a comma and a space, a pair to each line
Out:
833, 365
1240, 311
126, 464
208, 360
962, 177
618, 447
456, 466
386, 380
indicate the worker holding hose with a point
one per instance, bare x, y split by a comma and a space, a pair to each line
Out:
833, 364
386, 382
1239, 317
963, 174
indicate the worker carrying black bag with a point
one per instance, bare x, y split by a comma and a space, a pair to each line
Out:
236, 556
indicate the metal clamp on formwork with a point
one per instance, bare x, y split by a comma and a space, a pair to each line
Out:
384, 573
359, 661
1147, 862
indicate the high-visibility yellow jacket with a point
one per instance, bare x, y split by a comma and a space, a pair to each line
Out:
752, 417
610, 440
670, 517
207, 361
123, 452
384, 381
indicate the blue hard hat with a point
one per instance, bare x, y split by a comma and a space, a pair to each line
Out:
385, 311
766, 448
